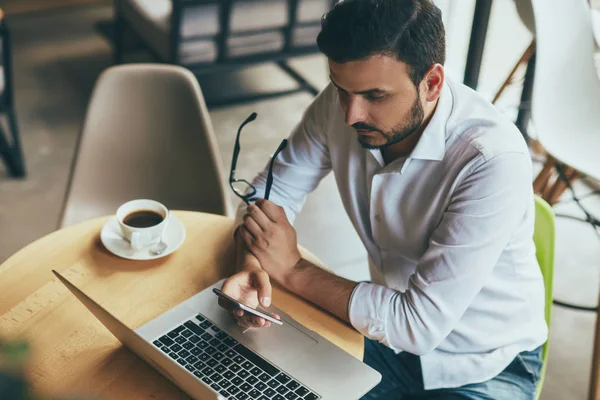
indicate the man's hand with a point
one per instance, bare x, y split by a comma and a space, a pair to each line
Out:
270, 237
250, 286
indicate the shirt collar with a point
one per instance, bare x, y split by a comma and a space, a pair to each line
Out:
432, 144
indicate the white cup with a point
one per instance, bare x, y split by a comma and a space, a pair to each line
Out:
140, 237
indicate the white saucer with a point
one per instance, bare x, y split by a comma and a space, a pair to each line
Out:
112, 239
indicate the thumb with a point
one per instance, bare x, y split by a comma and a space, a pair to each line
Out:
263, 287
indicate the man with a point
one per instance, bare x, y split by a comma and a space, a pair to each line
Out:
438, 186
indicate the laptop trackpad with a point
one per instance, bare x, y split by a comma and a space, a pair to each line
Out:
279, 343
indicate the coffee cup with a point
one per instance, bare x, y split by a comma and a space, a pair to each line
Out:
142, 222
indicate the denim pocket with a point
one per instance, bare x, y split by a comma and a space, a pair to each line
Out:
531, 362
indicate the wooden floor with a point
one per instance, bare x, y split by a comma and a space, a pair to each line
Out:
23, 6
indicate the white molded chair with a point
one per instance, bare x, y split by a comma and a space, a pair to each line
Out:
566, 103
147, 134
566, 94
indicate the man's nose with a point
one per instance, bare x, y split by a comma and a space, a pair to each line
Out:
355, 111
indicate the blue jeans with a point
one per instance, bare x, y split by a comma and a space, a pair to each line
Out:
402, 378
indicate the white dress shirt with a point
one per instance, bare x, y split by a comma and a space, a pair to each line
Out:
448, 230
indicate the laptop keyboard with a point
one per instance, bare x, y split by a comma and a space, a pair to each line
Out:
229, 367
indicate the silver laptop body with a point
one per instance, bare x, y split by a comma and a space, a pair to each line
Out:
199, 347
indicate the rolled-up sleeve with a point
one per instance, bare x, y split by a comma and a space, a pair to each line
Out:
484, 211
302, 164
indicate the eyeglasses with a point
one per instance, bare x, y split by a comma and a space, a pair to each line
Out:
241, 187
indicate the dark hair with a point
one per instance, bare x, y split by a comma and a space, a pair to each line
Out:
410, 30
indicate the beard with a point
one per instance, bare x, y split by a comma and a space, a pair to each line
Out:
412, 121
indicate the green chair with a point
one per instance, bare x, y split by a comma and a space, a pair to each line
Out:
543, 236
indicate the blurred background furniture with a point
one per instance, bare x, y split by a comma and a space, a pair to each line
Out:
147, 134
565, 76
565, 104
525, 12
481, 18
596, 20
216, 35
10, 144
544, 238
12, 7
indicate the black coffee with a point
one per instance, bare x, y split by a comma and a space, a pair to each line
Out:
143, 219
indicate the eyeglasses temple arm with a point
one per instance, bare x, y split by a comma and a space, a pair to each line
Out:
236, 147
282, 146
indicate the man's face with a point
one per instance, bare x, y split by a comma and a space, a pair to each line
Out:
379, 99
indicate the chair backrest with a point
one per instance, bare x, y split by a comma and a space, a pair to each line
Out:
543, 236
566, 93
147, 134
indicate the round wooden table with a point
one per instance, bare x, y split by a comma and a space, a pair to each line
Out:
73, 353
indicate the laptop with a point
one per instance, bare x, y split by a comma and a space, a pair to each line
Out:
199, 347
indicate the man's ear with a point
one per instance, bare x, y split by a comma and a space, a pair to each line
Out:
434, 82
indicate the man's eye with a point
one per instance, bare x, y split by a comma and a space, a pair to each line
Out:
374, 97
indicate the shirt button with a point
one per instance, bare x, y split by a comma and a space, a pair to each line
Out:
378, 218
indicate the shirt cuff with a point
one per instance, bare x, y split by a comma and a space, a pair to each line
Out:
367, 309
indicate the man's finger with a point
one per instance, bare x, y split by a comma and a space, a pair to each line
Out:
271, 210
259, 216
252, 226
262, 283
247, 237
246, 321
